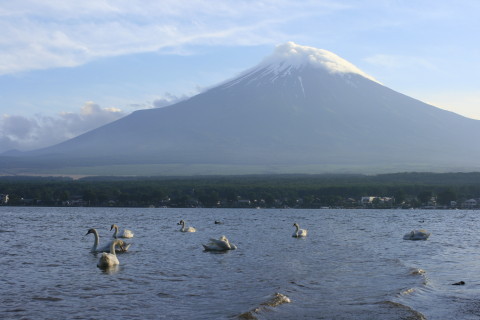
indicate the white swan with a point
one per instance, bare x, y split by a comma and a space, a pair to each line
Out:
222, 244
106, 248
417, 235
110, 259
184, 229
299, 232
126, 233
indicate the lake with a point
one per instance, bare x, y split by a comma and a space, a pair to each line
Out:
354, 264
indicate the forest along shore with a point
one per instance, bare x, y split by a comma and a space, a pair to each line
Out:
385, 191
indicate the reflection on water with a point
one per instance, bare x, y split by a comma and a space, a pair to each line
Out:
353, 264
111, 269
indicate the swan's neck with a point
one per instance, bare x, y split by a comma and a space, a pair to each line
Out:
112, 247
116, 232
297, 227
97, 240
183, 225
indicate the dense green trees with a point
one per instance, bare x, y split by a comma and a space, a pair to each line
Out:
303, 191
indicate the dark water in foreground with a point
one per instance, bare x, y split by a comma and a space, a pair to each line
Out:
354, 264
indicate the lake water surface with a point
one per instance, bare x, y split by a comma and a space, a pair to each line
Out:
353, 264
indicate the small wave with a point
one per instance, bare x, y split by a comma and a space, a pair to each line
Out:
53, 265
417, 271
407, 291
420, 272
47, 298
16, 310
405, 312
164, 295
275, 301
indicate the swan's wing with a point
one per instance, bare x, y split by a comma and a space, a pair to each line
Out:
112, 259
107, 260
127, 233
417, 235
409, 236
212, 247
221, 244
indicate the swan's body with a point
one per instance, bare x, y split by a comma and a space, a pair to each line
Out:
105, 248
126, 233
417, 235
185, 229
299, 232
110, 259
222, 244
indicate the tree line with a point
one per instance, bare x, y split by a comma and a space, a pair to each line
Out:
300, 191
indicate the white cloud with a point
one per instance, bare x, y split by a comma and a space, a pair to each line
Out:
167, 100
27, 133
46, 34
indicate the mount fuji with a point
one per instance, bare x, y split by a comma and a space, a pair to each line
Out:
301, 110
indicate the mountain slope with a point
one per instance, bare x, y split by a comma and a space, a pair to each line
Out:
301, 106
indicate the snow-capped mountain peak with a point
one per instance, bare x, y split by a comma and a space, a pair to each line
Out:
290, 55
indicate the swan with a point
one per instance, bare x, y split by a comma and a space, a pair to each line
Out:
105, 248
222, 244
417, 235
299, 232
184, 229
110, 259
126, 233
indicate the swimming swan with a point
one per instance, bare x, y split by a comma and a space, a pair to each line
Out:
299, 232
105, 248
183, 229
222, 244
110, 259
126, 233
417, 235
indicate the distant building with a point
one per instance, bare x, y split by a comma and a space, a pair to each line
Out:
367, 200
470, 203
376, 200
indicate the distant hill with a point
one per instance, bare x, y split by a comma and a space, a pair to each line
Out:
301, 110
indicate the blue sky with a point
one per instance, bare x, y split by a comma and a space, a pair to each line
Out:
67, 67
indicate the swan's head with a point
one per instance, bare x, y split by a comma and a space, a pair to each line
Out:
91, 231
295, 224
181, 222
223, 238
120, 243
113, 227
